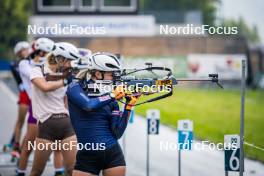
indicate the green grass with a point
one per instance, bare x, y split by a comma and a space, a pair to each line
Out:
215, 113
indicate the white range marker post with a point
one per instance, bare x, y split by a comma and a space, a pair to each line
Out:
132, 115
242, 114
232, 153
130, 120
185, 139
153, 122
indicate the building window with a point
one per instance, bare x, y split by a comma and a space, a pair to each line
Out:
118, 5
87, 5
55, 5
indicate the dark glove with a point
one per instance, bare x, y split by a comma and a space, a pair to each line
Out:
68, 79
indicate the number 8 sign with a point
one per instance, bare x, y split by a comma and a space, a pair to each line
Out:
153, 116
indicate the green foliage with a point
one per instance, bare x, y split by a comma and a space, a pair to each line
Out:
14, 16
215, 113
207, 7
251, 33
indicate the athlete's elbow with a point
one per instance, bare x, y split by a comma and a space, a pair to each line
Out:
44, 88
117, 134
88, 109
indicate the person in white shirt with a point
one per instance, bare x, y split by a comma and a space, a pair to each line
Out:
50, 108
42, 47
21, 51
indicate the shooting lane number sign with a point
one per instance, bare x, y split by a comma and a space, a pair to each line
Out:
232, 152
185, 134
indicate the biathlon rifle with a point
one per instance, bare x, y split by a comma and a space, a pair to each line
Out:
124, 77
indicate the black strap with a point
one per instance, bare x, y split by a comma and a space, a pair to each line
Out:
42, 70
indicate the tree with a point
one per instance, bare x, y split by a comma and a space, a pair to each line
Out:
251, 33
207, 7
14, 15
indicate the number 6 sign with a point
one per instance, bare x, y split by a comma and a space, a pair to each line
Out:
232, 149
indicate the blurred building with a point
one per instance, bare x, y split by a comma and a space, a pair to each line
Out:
128, 29
120, 26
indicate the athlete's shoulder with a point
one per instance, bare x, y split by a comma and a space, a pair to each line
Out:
23, 62
73, 84
36, 68
36, 72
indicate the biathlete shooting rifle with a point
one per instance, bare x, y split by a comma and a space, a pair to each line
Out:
126, 77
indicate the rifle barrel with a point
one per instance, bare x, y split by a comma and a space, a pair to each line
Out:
186, 79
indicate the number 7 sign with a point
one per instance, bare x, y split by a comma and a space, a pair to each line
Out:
185, 134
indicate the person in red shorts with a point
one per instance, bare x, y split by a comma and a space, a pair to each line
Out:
21, 50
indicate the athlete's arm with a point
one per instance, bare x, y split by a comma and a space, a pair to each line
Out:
47, 86
66, 102
24, 68
14, 72
37, 78
119, 121
77, 96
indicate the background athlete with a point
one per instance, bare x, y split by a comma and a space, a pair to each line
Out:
50, 108
41, 47
22, 51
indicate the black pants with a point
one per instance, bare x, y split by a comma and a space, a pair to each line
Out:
95, 161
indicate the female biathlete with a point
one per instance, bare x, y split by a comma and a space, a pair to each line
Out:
41, 48
21, 51
48, 100
97, 121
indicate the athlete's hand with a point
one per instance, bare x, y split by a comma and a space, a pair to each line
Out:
54, 77
118, 92
69, 78
131, 101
